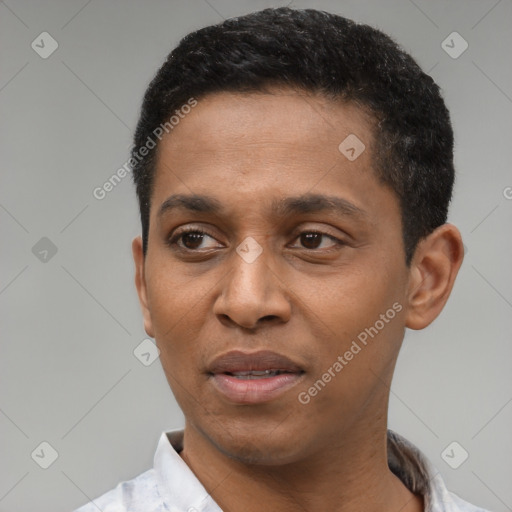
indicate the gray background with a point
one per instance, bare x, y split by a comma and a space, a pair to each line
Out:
71, 321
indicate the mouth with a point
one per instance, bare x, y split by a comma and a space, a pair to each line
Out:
251, 378
261, 374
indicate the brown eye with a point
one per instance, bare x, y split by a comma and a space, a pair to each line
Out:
192, 240
311, 240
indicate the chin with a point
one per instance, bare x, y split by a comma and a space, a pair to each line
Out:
265, 447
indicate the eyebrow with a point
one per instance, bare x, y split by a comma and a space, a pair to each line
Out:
316, 203
307, 203
192, 202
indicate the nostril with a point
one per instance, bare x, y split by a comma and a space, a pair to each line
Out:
268, 318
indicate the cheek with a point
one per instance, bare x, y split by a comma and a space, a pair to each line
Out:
177, 307
349, 298
173, 296
177, 315
358, 312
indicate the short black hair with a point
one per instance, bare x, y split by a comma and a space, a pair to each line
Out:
318, 52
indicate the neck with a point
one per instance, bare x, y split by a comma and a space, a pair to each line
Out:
345, 474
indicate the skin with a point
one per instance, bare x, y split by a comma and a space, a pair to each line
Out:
305, 296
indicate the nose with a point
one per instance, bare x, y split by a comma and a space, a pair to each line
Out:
252, 294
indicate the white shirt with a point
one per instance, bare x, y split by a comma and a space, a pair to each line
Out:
171, 486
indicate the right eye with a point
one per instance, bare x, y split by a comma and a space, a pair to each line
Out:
192, 240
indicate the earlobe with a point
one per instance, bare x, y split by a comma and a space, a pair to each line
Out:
140, 284
435, 265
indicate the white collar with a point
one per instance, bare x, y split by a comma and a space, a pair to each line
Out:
179, 486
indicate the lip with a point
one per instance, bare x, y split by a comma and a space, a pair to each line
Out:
257, 390
239, 361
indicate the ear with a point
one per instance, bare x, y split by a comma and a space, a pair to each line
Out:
433, 270
140, 283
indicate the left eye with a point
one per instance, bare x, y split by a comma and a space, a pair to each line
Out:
317, 240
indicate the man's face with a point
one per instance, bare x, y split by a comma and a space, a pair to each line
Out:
310, 279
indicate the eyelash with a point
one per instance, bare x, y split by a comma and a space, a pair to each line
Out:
173, 240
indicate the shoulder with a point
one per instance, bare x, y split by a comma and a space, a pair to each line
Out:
453, 503
136, 495
442, 500
421, 477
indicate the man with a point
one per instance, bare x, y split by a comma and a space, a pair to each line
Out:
293, 171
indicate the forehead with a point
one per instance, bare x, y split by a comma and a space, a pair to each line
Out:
305, 121
261, 145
